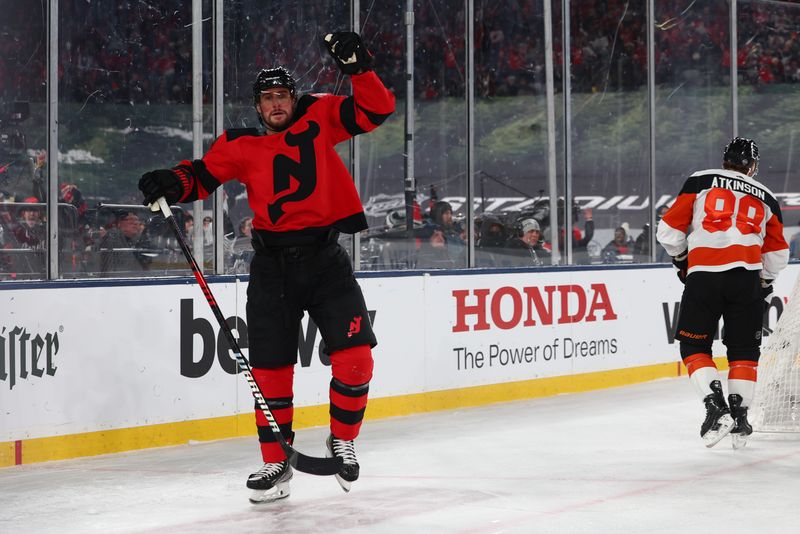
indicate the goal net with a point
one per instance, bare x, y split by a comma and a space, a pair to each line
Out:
777, 398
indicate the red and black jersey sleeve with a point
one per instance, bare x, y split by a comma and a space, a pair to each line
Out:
224, 157
295, 179
369, 106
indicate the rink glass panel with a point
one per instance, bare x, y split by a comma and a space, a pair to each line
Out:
610, 132
439, 136
261, 35
769, 93
23, 138
510, 131
693, 90
124, 109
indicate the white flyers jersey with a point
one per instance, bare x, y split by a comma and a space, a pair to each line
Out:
726, 220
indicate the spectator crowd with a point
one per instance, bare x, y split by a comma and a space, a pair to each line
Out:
130, 52
438, 239
136, 52
106, 240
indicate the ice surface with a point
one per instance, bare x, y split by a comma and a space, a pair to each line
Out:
625, 460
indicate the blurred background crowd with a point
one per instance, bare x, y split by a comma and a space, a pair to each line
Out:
126, 55
136, 53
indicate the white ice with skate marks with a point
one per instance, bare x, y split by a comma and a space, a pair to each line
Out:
615, 461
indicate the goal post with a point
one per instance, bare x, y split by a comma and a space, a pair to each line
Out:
776, 406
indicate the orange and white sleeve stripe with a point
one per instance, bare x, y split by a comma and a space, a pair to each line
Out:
674, 226
775, 250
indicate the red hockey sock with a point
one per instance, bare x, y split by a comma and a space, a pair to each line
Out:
742, 378
698, 361
743, 370
702, 371
277, 387
352, 371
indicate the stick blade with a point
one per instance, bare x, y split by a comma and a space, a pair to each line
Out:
315, 466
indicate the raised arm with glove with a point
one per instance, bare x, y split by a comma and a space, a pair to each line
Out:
349, 52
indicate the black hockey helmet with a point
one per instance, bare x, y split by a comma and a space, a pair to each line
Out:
741, 152
274, 77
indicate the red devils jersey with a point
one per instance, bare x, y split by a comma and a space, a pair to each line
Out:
295, 179
726, 219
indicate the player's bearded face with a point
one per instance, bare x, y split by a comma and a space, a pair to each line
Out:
277, 108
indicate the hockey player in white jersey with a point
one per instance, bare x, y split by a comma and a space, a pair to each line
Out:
725, 235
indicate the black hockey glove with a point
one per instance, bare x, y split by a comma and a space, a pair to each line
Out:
160, 183
766, 292
349, 52
681, 261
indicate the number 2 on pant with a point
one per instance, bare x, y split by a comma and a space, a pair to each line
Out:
720, 206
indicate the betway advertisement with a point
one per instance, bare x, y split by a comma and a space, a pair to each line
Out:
95, 357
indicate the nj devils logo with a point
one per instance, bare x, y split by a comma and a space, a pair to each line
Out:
304, 171
529, 305
355, 326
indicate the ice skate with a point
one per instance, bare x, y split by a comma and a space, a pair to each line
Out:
344, 449
270, 483
718, 422
742, 429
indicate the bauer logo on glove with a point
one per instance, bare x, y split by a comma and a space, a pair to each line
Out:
349, 52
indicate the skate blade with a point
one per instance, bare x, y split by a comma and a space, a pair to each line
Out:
738, 441
343, 483
275, 493
713, 437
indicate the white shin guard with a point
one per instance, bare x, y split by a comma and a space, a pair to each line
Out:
745, 388
702, 378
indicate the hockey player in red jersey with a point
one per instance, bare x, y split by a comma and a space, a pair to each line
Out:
302, 197
725, 235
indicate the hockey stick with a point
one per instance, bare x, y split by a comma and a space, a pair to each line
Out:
301, 462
